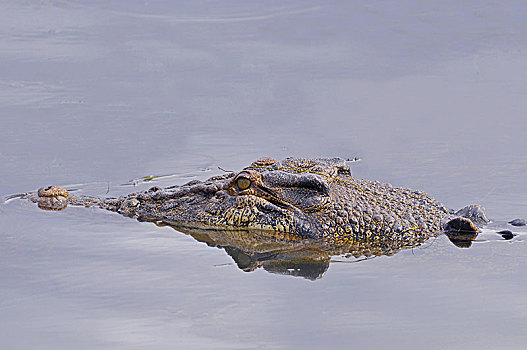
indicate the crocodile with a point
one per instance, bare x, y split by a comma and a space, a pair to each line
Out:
295, 199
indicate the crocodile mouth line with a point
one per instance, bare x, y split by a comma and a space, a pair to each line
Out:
272, 198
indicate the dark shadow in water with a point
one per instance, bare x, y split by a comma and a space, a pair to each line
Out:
462, 239
251, 250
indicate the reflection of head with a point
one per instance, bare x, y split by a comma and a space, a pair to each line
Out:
308, 264
251, 250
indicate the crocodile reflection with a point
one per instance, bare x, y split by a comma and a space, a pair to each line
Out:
309, 259
251, 250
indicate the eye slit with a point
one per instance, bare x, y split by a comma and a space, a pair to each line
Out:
243, 183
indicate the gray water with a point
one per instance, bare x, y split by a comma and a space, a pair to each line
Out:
95, 95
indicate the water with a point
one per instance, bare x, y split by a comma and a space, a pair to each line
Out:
430, 96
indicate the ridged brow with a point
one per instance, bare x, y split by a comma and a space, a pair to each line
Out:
287, 180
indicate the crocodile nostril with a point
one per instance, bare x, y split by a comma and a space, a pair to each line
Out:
52, 191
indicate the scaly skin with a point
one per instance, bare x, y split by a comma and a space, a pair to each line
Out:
293, 199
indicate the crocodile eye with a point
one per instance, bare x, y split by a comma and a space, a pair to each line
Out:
243, 183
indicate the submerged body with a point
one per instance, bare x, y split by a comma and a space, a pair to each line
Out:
315, 199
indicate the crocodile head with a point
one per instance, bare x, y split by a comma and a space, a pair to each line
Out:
292, 198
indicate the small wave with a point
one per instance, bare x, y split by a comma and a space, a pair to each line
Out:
221, 19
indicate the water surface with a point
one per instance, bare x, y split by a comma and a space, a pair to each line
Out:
94, 94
